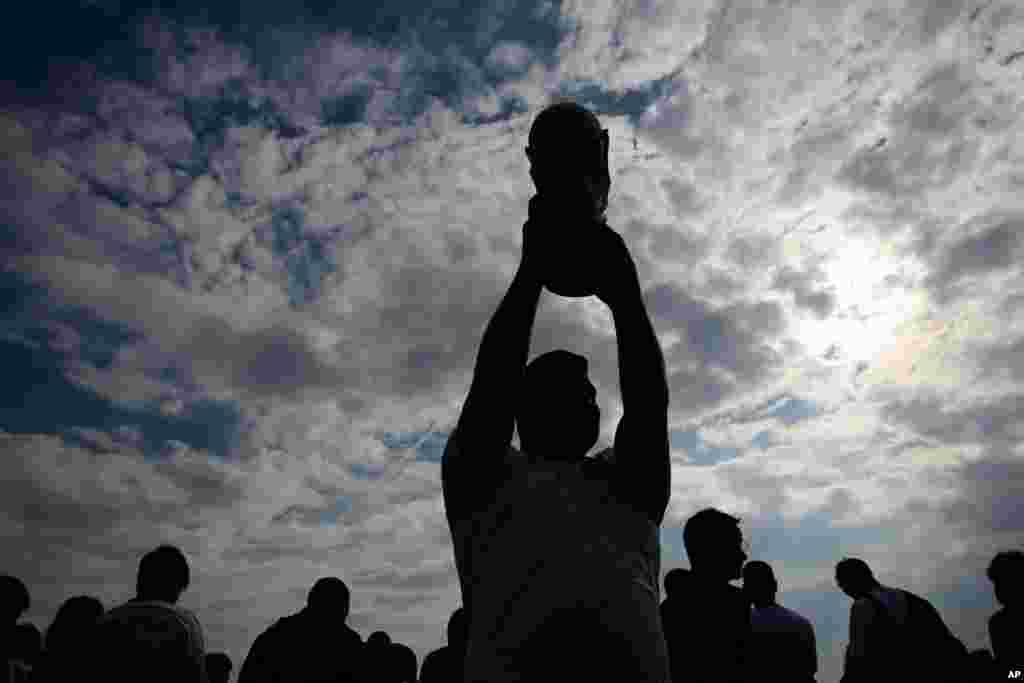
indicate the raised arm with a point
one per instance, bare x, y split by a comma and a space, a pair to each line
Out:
485, 425
641, 439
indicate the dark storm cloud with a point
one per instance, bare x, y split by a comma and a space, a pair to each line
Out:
45, 340
989, 500
722, 350
993, 243
930, 144
990, 423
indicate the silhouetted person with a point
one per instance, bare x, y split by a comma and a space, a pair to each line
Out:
312, 645
895, 634
983, 667
218, 667
1006, 627
558, 554
151, 637
707, 626
402, 664
376, 657
781, 641
14, 601
27, 647
70, 639
677, 581
445, 663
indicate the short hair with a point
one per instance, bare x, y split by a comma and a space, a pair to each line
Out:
563, 123
535, 396
854, 570
546, 370
1007, 566
329, 592
379, 639
73, 623
163, 570
706, 531
14, 594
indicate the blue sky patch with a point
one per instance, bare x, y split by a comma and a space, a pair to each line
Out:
429, 445
699, 451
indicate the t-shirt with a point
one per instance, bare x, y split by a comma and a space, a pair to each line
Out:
150, 638
782, 642
871, 641
558, 568
707, 627
300, 649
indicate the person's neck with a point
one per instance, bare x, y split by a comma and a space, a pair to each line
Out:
153, 597
761, 604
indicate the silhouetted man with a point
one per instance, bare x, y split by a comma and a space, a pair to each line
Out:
677, 581
445, 663
895, 634
14, 601
69, 640
402, 664
558, 554
782, 645
313, 645
151, 637
376, 657
708, 625
1006, 627
218, 667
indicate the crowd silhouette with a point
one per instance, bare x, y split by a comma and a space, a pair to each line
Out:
557, 552
714, 631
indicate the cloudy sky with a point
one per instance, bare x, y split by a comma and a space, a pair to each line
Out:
248, 254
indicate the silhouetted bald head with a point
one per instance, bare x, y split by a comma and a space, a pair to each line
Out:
329, 595
557, 415
854, 577
759, 584
163, 574
14, 599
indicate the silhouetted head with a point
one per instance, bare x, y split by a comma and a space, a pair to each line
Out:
458, 629
218, 667
163, 574
1006, 572
330, 598
378, 639
73, 625
14, 599
676, 581
568, 153
759, 584
402, 664
714, 545
27, 643
557, 414
854, 577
